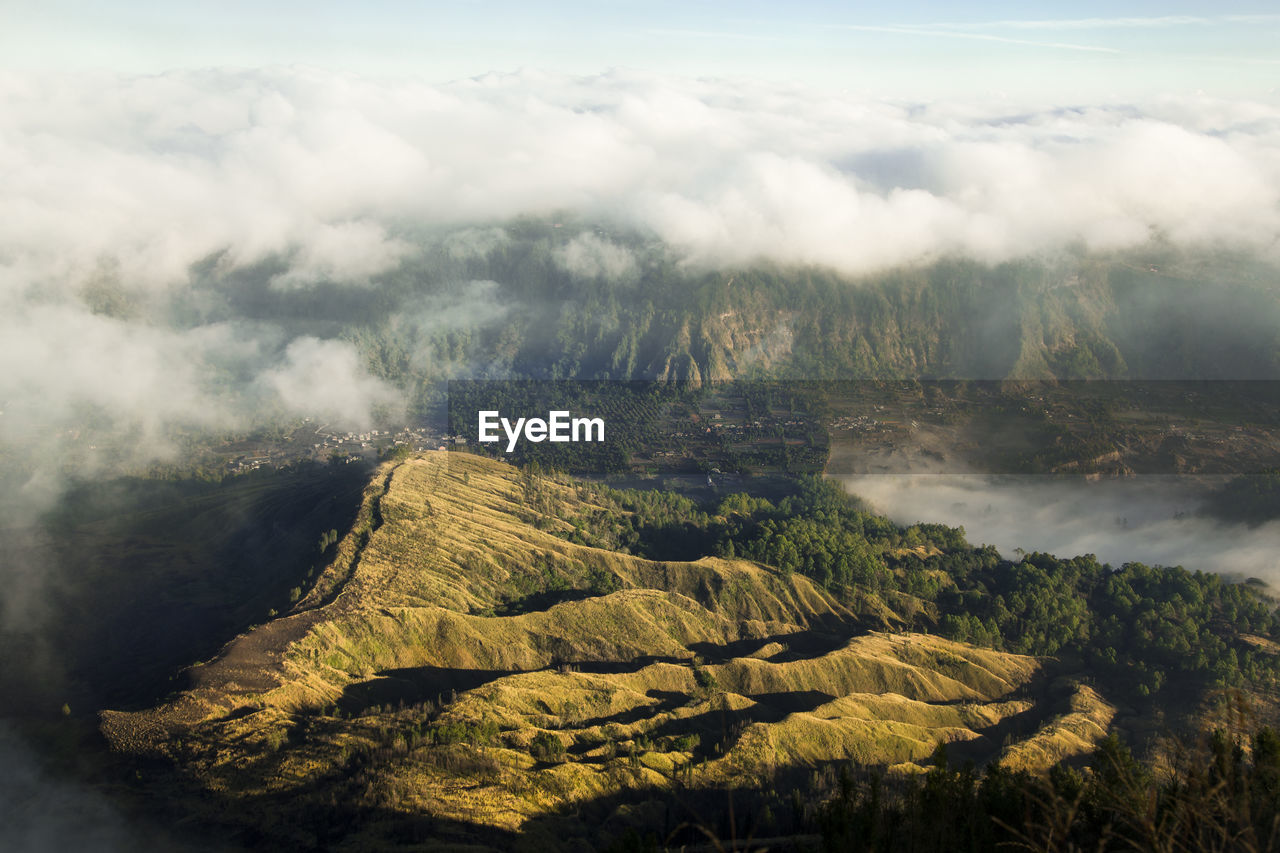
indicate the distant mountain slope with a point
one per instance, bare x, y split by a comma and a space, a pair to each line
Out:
515, 312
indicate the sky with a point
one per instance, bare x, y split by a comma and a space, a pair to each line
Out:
918, 50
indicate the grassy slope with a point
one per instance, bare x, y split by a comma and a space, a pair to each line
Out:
700, 673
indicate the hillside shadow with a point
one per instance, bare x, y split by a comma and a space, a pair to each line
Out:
309, 818
540, 601
1049, 698
422, 684
625, 667
410, 686
334, 811
798, 645
154, 575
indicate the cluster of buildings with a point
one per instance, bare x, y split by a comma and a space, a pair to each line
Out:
374, 441
858, 423
349, 445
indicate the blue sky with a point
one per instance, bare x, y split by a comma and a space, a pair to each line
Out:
1071, 50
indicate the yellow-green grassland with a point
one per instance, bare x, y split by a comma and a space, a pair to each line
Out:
416, 688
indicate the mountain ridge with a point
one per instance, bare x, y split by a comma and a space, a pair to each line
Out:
644, 676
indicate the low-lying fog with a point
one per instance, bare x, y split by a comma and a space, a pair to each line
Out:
1148, 519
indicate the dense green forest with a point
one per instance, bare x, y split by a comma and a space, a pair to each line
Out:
1221, 794
1252, 498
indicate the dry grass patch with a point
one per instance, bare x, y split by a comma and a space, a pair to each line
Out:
1067, 736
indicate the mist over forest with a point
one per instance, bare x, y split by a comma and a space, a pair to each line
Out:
1152, 519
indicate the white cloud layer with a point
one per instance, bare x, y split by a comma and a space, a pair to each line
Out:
325, 378
160, 171
133, 180
588, 256
1152, 519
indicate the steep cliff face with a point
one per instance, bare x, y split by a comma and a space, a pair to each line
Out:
1088, 319
1158, 314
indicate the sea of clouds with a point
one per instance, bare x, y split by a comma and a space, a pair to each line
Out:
147, 188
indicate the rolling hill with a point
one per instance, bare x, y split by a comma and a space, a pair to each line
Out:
463, 673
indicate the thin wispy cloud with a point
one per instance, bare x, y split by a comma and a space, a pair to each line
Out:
1267, 18
1236, 60
709, 34
1084, 23
974, 36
